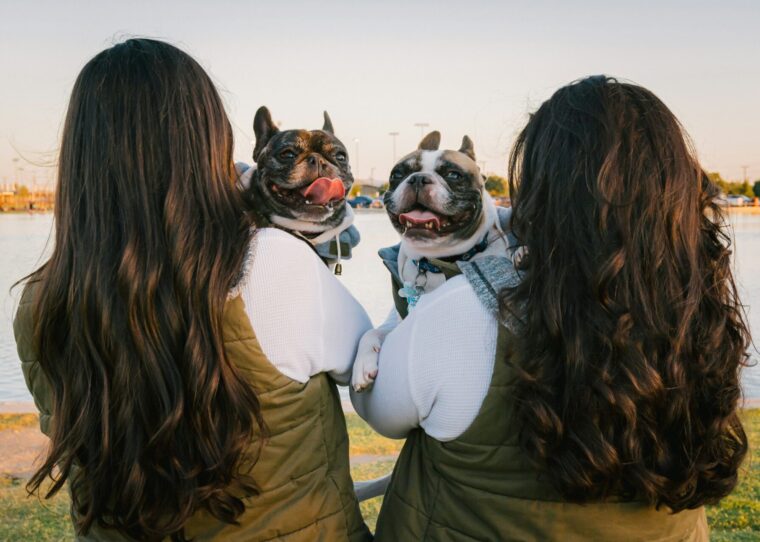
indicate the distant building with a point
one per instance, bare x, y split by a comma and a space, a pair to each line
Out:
20, 198
6, 199
366, 188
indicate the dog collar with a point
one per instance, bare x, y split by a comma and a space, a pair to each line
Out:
425, 265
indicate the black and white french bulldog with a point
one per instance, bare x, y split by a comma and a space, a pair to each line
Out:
300, 184
438, 204
437, 201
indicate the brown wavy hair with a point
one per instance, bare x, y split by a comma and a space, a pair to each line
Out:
150, 420
634, 337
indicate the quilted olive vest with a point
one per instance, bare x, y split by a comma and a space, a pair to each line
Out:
481, 486
303, 471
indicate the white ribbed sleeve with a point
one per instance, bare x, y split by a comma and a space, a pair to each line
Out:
306, 321
435, 367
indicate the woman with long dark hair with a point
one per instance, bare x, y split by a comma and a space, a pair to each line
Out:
169, 417
599, 383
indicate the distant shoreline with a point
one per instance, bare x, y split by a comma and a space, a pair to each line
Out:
26, 212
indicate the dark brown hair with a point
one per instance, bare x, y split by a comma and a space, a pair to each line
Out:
634, 337
150, 419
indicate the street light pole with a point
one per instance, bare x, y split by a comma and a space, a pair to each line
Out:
421, 126
394, 135
15, 171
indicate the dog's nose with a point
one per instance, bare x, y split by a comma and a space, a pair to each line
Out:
315, 160
418, 181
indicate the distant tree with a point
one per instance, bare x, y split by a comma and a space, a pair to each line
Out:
746, 190
496, 185
355, 191
732, 188
756, 188
384, 188
718, 180
22, 191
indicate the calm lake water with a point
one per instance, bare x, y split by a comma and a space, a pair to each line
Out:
24, 241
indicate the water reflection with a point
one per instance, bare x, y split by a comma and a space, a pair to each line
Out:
23, 239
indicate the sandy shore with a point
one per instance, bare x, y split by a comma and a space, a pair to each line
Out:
20, 451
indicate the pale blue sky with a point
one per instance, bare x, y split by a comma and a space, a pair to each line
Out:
472, 66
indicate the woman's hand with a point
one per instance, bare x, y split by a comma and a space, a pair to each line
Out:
365, 365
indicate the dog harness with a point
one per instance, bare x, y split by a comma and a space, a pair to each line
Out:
412, 291
407, 293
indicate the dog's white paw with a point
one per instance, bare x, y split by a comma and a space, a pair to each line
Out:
365, 365
520, 256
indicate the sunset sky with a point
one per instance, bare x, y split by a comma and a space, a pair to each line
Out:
469, 67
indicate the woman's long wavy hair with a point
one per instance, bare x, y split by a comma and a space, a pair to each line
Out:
634, 336
150, 419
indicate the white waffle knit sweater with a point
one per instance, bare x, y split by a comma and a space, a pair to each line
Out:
434, 367
305, 320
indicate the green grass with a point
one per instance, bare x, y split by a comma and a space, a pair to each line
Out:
25, 518
364, 441
736, 519
368, 471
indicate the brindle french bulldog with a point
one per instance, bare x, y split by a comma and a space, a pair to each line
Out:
300, 183
438, 203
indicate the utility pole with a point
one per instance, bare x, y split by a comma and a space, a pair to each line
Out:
421, 126
744, 173
15, 173
394, 135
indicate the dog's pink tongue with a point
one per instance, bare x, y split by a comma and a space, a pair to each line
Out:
420, 217
324, 190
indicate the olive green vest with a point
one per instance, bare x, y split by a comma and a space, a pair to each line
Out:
481, 486
303, 472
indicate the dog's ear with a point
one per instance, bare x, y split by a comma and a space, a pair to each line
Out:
327, 126
264, 129
430, 142
467, 147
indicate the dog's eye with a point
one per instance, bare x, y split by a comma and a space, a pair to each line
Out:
287, 154
453, 176
396, 175
341, 157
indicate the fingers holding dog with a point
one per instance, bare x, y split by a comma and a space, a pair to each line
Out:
366, 363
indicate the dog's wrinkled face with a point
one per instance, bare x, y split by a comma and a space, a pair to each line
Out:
300, 175
435, 199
